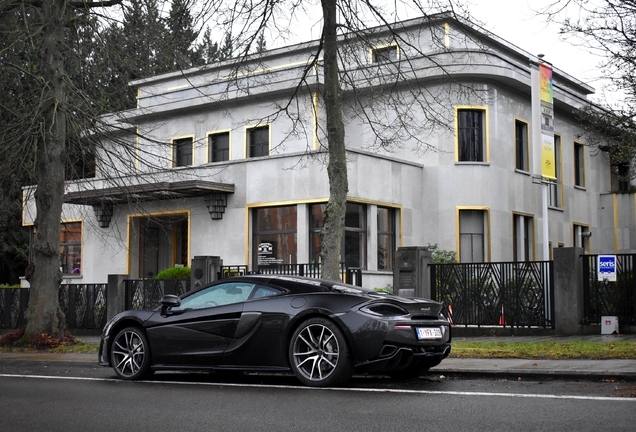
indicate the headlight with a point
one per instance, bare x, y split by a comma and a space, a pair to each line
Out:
385, 310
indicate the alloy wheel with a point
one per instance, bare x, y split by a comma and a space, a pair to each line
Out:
129, 354
316, 352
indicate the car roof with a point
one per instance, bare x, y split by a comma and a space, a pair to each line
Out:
305, 284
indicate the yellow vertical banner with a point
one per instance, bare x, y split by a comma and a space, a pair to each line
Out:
548, 168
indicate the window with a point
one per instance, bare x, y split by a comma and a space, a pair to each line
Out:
471, 135
579, 165
472, 236
385, 54
555, 186
275, 239
386, 238
71, 248
581, 236
182, 152
521, 146
354, 240
523, 238
620, 178
219, 147
217, 295
258, 141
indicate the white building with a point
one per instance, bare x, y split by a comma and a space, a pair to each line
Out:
229, 161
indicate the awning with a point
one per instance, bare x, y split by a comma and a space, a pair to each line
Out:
148, 192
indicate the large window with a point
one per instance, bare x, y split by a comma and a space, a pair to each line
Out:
386, 238
258, 141
472, 236
182, 152
521, 146
555, 186
71, 248
471, 135
620, 178
354, 240
579, 165
523, 238
219, 147
275, 239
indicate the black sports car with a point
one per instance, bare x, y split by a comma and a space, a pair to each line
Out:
322, 331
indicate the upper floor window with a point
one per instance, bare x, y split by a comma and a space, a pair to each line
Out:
385, 54
182, 151
522, 159
471, 135
472, 236
258, 141
555, 186
219, 147
579, 165
620, 178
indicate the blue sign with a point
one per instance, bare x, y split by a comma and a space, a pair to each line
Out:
607, 268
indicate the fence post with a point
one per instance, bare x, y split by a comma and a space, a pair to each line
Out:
411, 274
115, 295
568, 290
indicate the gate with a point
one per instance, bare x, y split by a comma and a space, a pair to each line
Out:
604, 298
506, 294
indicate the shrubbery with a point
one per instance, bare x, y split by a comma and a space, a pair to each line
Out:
174, 273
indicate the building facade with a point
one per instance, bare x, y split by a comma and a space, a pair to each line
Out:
229, 160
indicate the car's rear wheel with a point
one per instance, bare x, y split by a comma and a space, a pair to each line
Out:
319, 355
130, 354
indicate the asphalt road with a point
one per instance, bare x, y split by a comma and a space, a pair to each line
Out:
76, 396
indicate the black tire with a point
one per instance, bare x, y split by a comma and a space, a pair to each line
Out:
130, 354
319, 355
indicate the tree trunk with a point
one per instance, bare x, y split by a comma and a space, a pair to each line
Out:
44, 315
333, 226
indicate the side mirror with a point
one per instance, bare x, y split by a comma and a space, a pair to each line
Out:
168, 301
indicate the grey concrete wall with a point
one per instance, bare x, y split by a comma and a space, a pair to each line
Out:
568, 290
115, 295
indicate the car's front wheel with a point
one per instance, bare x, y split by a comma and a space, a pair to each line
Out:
130, 354
319, 355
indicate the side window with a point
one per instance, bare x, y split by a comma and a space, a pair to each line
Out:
258, 141
471, 135
579, 165
217, 295
385, 54
521, 146
219, 147
262, 291
182, 152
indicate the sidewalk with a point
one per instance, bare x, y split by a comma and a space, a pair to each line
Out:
576, 368
510, 368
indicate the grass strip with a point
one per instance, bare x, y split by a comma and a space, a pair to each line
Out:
572, 349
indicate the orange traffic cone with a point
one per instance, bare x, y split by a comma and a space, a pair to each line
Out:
450, 315
502, 317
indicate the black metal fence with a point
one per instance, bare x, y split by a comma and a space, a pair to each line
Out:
83, 304
604, 298
350, 275
507, 294
147, 293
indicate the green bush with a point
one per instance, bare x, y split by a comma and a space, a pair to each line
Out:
441, 256
9, 286
174, 273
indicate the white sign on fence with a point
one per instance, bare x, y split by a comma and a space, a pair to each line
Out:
607, 268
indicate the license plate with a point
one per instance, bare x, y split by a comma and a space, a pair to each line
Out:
429, 333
